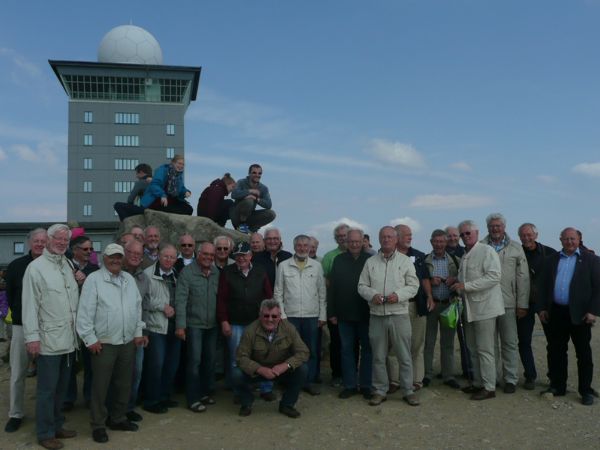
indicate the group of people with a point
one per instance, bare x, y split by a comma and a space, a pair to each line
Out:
166, 191
255, 313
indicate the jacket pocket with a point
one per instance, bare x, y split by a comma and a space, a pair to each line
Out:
56, 336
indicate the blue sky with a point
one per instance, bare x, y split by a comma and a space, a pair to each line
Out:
426, 112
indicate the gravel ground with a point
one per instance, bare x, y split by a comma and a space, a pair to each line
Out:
445, 419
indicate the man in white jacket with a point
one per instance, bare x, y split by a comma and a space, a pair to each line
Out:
109, 322
300, 290
387, 282
479, 283
50, 297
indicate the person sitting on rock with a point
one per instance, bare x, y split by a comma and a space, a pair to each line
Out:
212, 202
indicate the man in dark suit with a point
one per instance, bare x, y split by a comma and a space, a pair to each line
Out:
569, 304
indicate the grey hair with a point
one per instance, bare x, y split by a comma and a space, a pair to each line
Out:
58, 227
438, 233
530, 225
272, 229
339, 227
301, 237
226, 238
36, 231
269, 303
166, 246
356, 230
468, 223
150, 227
448, 227
495, 216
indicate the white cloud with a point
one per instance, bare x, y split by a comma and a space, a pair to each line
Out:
414, 224
547, 179
461, 165
21, 65
38, 212
326, 228
590, 169
252, 119
396, 153
452, 201
43, 153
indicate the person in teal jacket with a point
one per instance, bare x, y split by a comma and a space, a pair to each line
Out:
167, 191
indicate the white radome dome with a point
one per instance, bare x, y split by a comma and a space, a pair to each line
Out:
129, 44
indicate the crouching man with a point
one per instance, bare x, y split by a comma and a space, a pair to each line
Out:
271, 349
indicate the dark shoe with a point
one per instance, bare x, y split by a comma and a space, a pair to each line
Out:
13, 424
67, 406
65, 434
289, 411
99, 435
366, 393
426, 381
393, 388
245, 411
126, 425
377, 399
554, 392
132, 416
470, 389
509, 388
268, 396
452, 383
156, 409
411, 399
347, 393
529, 385
587, 399
169, 403
483, 395
312, 390
51, 444
336, 382
208, 400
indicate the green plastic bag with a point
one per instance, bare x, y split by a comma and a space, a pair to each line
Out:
449, 316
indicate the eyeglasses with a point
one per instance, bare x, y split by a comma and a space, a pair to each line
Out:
186, 245
223, 249
466, 233
270, 316
256, 173
85, 249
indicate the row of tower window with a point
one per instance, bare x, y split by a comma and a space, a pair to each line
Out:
127, 119
124, 164
120, 186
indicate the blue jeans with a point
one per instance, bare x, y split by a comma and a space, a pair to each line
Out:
524, 332
53, 374
233, 342
292, 379
350, 331
200, 370
160, 366
138, 365
71, 395
308, 328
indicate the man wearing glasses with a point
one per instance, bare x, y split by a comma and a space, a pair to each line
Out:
187, 246
271, 349
248, 193
479, 284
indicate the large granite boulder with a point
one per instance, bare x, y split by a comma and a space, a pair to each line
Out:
172, 226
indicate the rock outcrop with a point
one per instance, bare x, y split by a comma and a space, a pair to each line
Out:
172, 226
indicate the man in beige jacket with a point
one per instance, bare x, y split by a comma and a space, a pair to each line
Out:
479, 283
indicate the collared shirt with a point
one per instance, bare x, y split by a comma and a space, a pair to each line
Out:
564, 275
440, 269
151, 256
500, 245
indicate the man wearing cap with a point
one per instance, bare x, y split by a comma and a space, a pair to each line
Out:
109, 321
242, 287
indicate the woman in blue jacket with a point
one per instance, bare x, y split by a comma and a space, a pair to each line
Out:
167, 191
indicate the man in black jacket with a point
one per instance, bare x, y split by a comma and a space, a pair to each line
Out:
569, 304
37, 241
350, 312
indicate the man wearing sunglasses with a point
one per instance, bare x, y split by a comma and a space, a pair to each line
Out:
479, 277
271, 349
187, 247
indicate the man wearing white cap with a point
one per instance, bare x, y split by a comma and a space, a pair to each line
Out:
109, 321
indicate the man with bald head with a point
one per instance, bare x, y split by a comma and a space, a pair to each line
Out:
569, 304
151, 245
